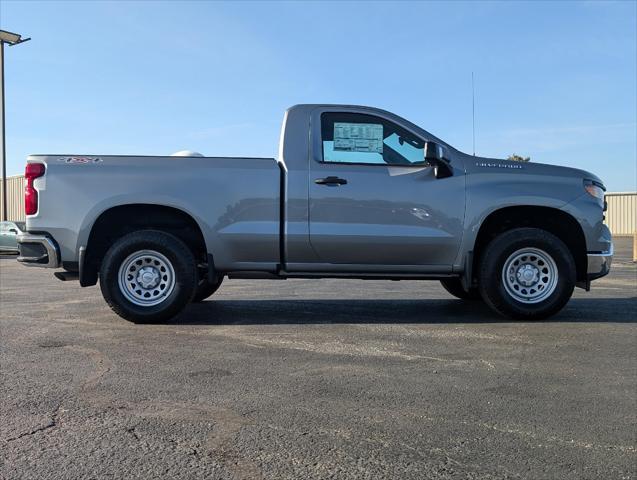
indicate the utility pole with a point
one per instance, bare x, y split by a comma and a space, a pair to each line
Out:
473, 114
10, 39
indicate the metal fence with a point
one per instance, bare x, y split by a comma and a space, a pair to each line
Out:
621, 216
15, 198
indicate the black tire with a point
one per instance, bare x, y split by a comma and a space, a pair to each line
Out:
205, 289
180, 290
504, 248
455, 288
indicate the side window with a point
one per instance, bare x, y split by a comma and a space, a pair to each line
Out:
4, 227
359, 138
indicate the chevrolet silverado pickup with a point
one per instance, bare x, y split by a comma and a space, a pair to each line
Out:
355, 192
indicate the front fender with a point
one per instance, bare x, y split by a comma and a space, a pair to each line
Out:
590, 215
490, 192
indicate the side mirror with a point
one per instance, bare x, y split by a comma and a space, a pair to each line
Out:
13, 230
435, 156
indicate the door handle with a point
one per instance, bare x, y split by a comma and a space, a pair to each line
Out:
331, 181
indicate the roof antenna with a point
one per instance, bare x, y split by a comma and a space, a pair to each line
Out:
473, 114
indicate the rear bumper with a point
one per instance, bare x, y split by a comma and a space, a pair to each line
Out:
599, 263
38, 250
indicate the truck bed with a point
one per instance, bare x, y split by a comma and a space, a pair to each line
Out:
235, 201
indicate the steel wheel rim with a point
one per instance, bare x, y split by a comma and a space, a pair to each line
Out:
530, 275
146, 278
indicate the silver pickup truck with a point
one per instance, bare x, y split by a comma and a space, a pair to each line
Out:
356, 192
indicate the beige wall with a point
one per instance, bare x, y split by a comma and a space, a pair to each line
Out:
15, 198
621, 216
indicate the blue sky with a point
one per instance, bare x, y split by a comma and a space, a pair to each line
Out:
556, 81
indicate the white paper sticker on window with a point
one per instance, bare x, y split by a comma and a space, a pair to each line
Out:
358, 137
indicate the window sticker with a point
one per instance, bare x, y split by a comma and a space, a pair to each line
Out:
358, 137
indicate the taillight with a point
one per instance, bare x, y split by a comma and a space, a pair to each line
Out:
31, 172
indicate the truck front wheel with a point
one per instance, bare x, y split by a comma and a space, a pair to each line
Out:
148, 276
526, 274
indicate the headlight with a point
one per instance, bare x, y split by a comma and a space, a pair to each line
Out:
595, 189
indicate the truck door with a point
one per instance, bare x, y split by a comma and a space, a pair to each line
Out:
374, 204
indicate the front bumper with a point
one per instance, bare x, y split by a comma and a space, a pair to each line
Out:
38, 250
599, 264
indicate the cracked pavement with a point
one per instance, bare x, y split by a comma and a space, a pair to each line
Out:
317, 379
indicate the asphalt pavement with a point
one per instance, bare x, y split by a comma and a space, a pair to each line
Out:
315, 379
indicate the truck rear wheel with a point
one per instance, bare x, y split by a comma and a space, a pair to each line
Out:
455, 288
148, 276
527, 274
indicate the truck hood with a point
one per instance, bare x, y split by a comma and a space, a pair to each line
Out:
483, 165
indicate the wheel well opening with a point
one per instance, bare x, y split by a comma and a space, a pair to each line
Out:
557, 222
118, 221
